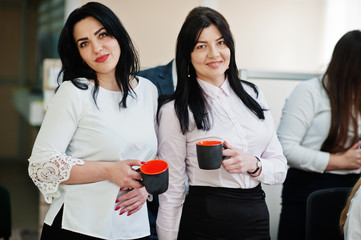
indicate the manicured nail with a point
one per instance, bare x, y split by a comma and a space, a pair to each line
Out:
121, 212
129, 214
143, 163
117, 201
117, 208
121, 189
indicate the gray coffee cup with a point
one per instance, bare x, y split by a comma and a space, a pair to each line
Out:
155, 176
209, 154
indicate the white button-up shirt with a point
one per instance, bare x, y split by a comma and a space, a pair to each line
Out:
231, 121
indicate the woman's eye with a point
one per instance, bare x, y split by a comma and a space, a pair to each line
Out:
83, 44
201, 46
221, 42
102, 35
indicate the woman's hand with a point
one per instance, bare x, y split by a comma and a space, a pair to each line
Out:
237, 161
122, 173
348, 160
131, 201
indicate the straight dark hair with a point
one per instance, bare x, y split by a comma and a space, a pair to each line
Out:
188, 93
73, 66
342, 82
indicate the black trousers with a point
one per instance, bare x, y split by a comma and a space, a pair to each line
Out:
55, 232
297, 187
211, 213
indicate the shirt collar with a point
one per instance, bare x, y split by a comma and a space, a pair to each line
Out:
214, 91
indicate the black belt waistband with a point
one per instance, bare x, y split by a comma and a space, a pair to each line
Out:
236, 193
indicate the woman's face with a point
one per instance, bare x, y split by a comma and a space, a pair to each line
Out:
211, 56
99, 50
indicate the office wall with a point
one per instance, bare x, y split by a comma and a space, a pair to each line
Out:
276, 35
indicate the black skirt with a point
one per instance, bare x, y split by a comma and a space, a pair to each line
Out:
55, 232
224, 214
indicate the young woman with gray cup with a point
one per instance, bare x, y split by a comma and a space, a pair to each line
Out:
211, 103
98, 128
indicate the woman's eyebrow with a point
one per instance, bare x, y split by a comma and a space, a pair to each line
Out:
207, 41
96, 32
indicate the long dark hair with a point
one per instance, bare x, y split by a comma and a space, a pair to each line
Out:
342, 82
73, 66
188, 92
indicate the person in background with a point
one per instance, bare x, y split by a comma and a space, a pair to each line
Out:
320, 132
350, 219
164, 77
99, 126
211, 103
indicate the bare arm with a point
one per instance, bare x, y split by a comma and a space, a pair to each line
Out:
120, 173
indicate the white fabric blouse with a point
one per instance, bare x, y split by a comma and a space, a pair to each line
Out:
352, 227
75, 129
231, 121
304, 126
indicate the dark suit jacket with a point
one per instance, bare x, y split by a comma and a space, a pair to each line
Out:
161, 76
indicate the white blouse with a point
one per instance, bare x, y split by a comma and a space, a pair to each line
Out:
75, 129
231, 121
352, 227
304, 126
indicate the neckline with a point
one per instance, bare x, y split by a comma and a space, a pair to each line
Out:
115, 92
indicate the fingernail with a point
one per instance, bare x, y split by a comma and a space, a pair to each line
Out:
143, 163
117, 208
121, 212
117, 201
121, 189
129, 214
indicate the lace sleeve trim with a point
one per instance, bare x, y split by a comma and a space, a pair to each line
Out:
48, 174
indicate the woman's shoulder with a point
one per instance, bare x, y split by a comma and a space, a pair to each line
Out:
69, 85
312, 85
308, 88
69, 94
146, 84
68, 91
168, 106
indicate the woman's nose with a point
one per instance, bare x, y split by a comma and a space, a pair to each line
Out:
213, 52
97, 47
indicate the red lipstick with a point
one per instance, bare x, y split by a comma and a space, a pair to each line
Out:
102, 58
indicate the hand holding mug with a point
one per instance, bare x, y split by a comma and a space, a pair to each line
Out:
237, 161
154, 176
123, 174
